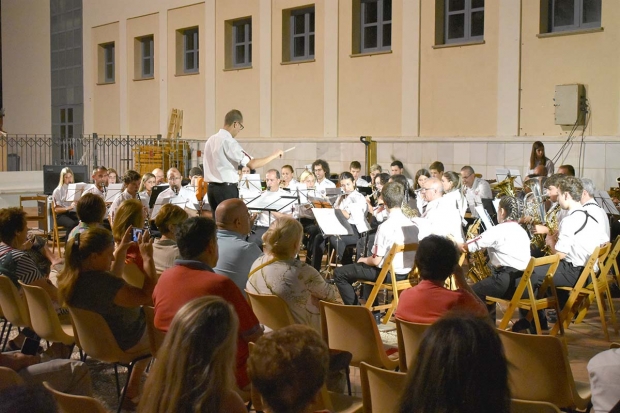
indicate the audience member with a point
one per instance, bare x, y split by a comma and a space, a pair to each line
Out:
130, 215
288, 367
192, 276
436, 259
165, 250
604, 371
194, 368
91, 210
464, 359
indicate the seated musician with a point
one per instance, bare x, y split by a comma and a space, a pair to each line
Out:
65, 210
418, 183
321, 172
409, 202
439, 217
131, 181
453, 191
436, 169
508, 245
593, 208
553, 212
396, 229
375, 169
353, 206
356, 170
476, 189
436, 259
568, 170
173, 191
189, 192
100, 182
288, 178
579, 234
265, 218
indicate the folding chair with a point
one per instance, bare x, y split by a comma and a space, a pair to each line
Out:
578, 292
381, 389
394, 285
409, 338
56, 231
533, 303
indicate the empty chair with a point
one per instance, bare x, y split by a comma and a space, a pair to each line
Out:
409, 337
381, 389
70, 403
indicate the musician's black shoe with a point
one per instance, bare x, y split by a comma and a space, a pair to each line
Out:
552, 316
521, 326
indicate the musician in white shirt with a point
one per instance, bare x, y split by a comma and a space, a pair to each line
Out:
100, 182
453, 193
356, 170
131, 181
173, 191
189, 192
476, 189
288, 178
66, 215
590, 205
438, 217
321, 172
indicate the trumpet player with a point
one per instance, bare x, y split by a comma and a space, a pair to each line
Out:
508, 246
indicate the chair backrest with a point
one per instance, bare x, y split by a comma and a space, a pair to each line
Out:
552, 260
156, 336
43, 317
381, 389
13, 305
409, 338
96, 338
538, 368
9, 378
270, 310
70, 403
526, 406
353, 328
40, 218
609, 261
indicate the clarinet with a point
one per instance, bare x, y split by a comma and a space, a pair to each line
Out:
147, 219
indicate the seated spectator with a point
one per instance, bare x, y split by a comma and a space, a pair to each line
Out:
130, 215
194, 368
87, 283
280, 273
436, 259
192, 276
165, 250
236, 255
464, 360
91, 210
604, 371
67, 376
288, 368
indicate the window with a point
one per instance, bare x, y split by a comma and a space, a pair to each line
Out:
146, 61
242, 43
376, 25
302, 34
106, 63
463, 21
565, 15
190, 50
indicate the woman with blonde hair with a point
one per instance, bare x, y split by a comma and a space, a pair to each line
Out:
453, 193
65, 209
280, 273
165, 250
147, 184
194, 368
87, 283
131, 215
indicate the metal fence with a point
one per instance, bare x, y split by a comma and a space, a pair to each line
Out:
142, 153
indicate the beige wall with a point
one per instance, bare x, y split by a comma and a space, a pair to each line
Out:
142, 94
106, 97
26, 85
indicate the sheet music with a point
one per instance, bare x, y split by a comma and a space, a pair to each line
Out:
328, 221
484, 216
250, 182
158, 204
273, 201
502, 173
74, 191
112, 191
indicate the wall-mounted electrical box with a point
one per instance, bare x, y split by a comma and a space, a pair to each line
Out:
570, 104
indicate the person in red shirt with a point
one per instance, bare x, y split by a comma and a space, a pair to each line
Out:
436, 259
193, 276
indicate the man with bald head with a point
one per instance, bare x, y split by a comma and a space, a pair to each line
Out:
236, 255
439, 217
159, 176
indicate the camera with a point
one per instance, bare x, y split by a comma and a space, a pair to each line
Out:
136, 233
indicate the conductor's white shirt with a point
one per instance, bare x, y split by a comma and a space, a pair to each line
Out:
221, 158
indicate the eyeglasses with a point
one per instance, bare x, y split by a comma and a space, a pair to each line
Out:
174, 178
467, 177
240, 126
427, 189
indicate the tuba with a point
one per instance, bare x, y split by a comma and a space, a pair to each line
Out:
506, 187
478, 268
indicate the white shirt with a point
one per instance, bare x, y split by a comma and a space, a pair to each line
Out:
60, 196
362, 183
604, 371
221, 158
576, 242
265, 219
599, 214
508, 245
120, 198
440, 218
480, 189
179, 200
292, 185
457, 200
93, 189
356, 206
320, 187
189, 192
400, 230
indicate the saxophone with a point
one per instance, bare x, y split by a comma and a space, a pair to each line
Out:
478, 268
408, 211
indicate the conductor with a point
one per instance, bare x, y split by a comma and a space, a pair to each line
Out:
222, 156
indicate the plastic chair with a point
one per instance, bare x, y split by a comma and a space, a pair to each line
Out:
156, 336
9, 378
409, 338
394, 285
14, 307
579, 293
56, 231
270, 310
538, 370
99, 343
43, 317
353, 328
381, 389
533, 303
526, 406
70, 403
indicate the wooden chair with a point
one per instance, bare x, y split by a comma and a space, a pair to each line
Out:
353, 328
270, 310
393, 285
578, 292
14, 307
526, 406
9, 378
156, 336
409, 338
56, 229
44, 319
40, 219
539, 370
70, 403
381, 389
533, 303
595, 290
99, 343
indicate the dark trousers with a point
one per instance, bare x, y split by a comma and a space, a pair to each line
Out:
500, 284
339, 243
69, 220
218, 193
346, 275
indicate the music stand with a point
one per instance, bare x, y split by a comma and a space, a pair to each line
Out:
365, 190
332, 222
252, 182
502, 173
74, 191
112, 192
155, 191
271, 202
605, 202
